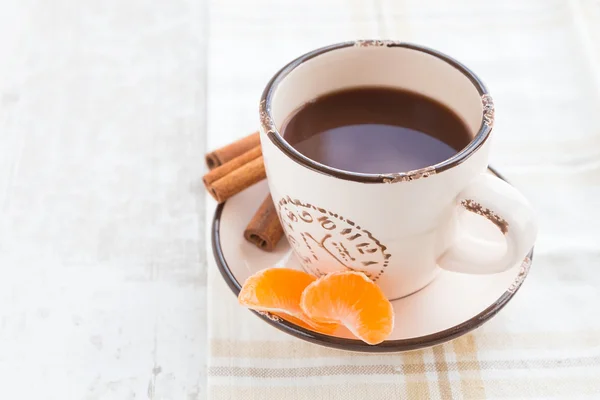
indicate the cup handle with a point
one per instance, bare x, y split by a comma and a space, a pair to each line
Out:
503, 205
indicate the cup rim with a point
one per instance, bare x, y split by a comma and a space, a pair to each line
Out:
269, 128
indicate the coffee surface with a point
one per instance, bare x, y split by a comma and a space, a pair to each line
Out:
376, 130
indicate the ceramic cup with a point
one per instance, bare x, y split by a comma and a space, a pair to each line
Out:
397, 228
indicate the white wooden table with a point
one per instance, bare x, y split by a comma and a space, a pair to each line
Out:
102, 255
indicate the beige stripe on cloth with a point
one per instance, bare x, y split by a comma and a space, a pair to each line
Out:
358, 391
540, 59
465, 346
441, 367
409, 364
465, 350
517, 388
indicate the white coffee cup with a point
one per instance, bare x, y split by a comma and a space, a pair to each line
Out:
397, 228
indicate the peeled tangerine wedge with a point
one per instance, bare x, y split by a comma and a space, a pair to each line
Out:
351, 299
278, 291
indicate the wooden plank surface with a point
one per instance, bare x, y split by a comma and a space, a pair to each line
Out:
102, 257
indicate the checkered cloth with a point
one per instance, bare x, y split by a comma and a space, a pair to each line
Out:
541, 61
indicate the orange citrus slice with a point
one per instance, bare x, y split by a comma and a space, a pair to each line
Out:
351, 299
278, 291
327, 329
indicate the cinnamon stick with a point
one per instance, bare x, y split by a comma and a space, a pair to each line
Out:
264, 230
226, 153
231, 165
235, 175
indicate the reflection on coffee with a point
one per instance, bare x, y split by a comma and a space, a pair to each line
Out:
376, 130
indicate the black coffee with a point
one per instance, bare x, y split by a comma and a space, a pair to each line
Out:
376, 130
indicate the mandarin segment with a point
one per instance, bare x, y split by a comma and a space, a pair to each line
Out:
275, 289
351, 299
326, 329
278, 291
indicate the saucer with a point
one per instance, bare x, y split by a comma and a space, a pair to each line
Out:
450, 306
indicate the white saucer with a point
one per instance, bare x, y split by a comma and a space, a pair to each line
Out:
452, 305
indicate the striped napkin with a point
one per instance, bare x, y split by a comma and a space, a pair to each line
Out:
541, 60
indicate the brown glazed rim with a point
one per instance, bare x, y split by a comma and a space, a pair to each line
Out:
269, 127
388, 346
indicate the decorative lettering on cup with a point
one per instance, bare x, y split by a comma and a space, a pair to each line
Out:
324, 239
